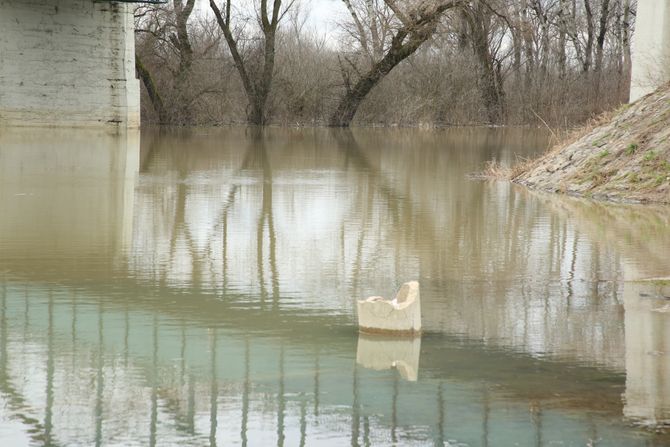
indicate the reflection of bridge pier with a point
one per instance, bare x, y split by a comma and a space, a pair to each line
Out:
647, 398
643, 250
66, 197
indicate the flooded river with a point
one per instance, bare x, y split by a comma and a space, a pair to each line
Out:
199, 288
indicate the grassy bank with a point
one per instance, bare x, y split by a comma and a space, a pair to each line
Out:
624, 156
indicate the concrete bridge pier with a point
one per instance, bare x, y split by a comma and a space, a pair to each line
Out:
651, 47
68, 63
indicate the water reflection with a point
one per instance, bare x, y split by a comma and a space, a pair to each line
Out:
68, 370
379, 353
639, 233
317, 218
210, 299
66, 198
648, 352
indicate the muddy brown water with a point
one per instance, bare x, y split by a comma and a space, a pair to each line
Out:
198, 288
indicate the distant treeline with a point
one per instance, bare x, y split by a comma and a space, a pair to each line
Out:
391, 62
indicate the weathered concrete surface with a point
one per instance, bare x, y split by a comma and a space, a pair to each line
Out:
651, 48
400, 315
647, 321
67, 63
379, 353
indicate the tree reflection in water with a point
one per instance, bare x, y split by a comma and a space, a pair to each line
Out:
231, 300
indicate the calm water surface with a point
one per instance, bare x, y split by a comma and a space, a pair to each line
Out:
198, 288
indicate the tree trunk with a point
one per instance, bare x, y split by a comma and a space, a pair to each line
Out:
256, 115
154, 96
573, 34
529, 50
590, 27
257, 88
491, 90
417, 28
625, 37
543, 52
517, 46
600, 44
183, 43
562, 38
490, 84
346, 110
602, 31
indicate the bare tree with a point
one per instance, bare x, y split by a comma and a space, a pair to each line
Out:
408, 29
590, 35
563, 10
167, 27
304, 80
481, 23
415, 62
180, 39
257, 82
602, 32
152, 91
625, 31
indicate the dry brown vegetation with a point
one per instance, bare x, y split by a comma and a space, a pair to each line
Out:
494, 170
559, 140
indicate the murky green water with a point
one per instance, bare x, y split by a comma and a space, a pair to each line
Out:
199, 289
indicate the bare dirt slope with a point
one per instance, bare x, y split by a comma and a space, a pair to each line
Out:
624, 158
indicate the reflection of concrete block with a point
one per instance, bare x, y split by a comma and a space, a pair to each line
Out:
379, 352
400, 315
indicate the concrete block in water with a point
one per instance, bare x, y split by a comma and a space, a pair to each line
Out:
401, 315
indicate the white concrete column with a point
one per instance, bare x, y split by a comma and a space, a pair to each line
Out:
67, 63
651, 47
